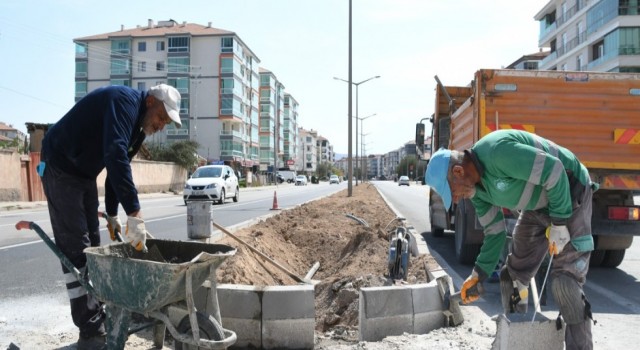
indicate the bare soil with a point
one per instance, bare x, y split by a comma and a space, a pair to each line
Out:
351, 255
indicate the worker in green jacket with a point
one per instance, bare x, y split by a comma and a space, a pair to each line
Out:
552, 190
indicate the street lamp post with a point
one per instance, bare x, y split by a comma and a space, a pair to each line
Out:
357, 85
362, 138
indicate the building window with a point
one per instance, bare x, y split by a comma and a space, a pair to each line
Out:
226, 85
181, 84
120, 47
123, 82
81, 89
81, 69
226, 65
142, 86
81, 50
265, 80
120, 66
179, 44
227, 45
178, 64
142, 66
160, 65
142, 46
159, 45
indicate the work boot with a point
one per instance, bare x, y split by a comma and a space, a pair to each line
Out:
96, 342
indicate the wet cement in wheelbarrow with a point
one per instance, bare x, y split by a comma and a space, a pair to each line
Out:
351, 256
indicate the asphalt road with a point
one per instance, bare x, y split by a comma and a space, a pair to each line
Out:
613, 293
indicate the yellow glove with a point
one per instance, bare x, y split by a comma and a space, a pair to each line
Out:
472, 287
114, 225
558, 237
137, 233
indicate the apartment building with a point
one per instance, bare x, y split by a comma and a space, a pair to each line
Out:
214, 70
589, 35
290, 131
325, 151
307, 152
271, 115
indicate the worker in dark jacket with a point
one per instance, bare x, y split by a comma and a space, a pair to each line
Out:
552, 190
105, 129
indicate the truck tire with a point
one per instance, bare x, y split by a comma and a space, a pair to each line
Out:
613, 258
435, 231
464, 226
597, 256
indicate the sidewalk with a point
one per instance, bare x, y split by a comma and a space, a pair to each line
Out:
17, 205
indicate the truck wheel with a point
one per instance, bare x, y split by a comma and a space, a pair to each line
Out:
435, 231
465, 252
597, 256
208, 327
613, 258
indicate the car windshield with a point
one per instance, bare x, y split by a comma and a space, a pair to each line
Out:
207, 172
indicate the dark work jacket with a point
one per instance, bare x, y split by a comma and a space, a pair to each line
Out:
103, 129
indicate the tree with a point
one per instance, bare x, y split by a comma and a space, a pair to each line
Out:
408, 167
183, 153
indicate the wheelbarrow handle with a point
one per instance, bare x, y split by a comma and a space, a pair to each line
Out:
54, 248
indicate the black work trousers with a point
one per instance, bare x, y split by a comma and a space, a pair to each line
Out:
73, 210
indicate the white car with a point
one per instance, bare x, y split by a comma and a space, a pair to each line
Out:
334, 179
404, 180
301, 180
212, 183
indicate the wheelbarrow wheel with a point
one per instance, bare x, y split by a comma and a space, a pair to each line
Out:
210, 329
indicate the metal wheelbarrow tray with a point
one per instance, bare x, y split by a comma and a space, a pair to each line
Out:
124, 277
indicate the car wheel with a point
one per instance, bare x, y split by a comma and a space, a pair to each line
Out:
236, 198
222, 196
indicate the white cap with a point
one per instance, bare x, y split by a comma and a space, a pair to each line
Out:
171, 99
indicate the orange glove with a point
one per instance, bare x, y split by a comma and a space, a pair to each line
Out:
472, 287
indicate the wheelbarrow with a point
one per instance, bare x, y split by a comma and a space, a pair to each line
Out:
158, 284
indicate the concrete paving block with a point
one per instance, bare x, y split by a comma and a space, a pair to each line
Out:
288, 317
288, 334
241, 311
426, 297
385, 311
427, 307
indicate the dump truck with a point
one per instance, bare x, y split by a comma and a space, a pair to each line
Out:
596, 115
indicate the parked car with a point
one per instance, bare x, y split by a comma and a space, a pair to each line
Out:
334, 179
212, 183
403, 180
301, 180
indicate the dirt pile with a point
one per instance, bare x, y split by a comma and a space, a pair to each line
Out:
328, 231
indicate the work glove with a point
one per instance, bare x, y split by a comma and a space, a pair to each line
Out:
472, 287
558, 237
136, 233
114, 225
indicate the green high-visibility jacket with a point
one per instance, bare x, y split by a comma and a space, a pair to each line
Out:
523, 171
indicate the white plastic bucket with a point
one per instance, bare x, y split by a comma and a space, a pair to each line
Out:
199, 220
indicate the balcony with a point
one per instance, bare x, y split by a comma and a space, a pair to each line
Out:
233, 133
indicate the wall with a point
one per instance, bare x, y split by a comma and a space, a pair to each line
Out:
148, 176
10, 180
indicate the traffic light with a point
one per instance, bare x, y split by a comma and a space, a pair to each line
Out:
419, 135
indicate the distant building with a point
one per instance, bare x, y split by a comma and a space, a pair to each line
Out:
583, 35
529, 62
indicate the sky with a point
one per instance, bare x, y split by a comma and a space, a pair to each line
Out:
305, 43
